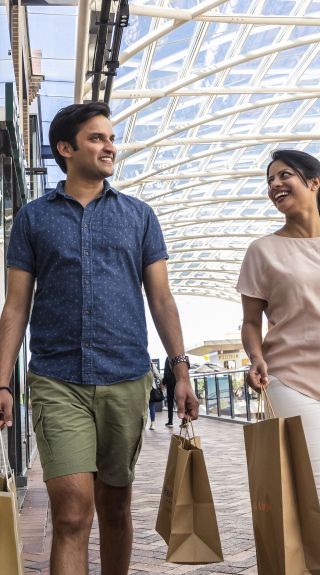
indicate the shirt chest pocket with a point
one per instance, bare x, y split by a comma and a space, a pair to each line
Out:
119, 234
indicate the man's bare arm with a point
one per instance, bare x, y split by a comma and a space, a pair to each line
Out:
13, 323
166, 319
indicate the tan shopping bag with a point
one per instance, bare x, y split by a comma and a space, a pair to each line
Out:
272, 446
186, 517
11, 562
307, 496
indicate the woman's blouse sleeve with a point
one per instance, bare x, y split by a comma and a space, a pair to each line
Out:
252, 277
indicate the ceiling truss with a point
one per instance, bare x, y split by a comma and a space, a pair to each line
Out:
203, 93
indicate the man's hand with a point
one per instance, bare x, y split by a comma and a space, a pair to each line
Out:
257, 376
6, 403
187, 401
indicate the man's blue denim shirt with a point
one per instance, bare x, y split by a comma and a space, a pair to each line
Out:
88, 319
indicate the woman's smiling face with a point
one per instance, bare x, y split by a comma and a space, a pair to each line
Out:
287, 188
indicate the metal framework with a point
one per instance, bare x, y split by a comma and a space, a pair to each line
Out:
204, 91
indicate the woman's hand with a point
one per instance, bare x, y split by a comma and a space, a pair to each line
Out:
251, 332
257, 375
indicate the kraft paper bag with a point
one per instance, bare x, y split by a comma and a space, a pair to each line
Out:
307, 496
186, 517
11, 561
274, 506
284, 499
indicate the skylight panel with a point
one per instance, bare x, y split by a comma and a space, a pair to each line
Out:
214, 111
276, 8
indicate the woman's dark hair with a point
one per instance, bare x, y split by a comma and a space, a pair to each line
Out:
66, 124
306, 166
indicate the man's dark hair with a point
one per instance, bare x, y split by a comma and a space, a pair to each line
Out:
66, 124
306, 166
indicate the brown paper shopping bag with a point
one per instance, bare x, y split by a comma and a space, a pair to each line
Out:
11, 562
276, 455
186, 517
306, 492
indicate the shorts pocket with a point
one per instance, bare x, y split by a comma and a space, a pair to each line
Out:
38, 423
136, 452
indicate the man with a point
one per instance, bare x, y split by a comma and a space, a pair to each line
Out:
89, 249
169, 381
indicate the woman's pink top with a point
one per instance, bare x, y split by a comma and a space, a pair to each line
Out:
285, 272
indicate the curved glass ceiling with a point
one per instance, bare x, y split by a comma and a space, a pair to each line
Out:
205, 90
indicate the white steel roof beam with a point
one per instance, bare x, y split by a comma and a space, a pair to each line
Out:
186, 206
187, 175
83, 23
218, 115
185, 187
204, 120
215, 248
192, 237
166, 28
266, 63
181, 14
235, 61
192, 158
216, 91
219, 270
296, 73
179, 224
202, 275
209, 154
261, 20
188, 63
211, 248
195, 260
256, 138
206, 200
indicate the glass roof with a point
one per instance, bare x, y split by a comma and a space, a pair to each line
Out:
205, 90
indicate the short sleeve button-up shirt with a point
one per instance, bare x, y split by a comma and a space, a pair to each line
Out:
88, 320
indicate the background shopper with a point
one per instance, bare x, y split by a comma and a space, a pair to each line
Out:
169, 381
157, 383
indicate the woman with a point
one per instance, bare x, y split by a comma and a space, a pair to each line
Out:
280, 276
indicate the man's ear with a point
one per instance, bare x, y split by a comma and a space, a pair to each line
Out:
65, 149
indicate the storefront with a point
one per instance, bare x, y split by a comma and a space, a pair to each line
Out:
13, 194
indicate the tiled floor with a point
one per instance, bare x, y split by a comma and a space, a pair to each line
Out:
224, 452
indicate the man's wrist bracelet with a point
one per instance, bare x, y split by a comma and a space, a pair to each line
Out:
7, 388
179, 359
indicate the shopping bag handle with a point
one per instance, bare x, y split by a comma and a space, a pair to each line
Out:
7, 467
268, 406
185, 426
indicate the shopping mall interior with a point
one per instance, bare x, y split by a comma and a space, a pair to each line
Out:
201, 92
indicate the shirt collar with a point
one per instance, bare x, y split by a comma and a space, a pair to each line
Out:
59, 190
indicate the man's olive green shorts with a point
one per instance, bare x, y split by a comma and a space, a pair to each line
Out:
88, 428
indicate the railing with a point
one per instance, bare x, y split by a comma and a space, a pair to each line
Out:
225, 394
